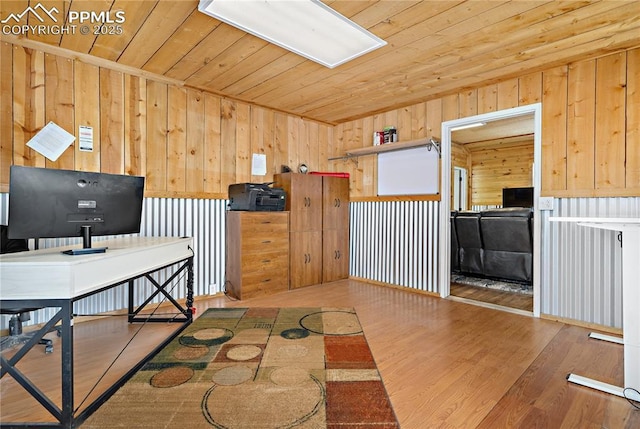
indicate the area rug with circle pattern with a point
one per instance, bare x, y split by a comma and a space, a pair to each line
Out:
257, 368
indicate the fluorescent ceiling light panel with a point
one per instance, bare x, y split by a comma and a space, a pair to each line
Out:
473, 125
307, 27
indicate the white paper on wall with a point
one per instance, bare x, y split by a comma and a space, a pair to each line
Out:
51, 141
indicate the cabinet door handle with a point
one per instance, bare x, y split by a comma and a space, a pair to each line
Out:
266, 280
264, 261
338, 253
266, 241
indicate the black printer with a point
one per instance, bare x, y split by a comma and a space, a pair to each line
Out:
256, 197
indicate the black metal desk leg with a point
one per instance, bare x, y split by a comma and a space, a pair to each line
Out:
66, 333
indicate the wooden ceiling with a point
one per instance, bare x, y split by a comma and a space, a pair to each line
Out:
498, 132
434, 48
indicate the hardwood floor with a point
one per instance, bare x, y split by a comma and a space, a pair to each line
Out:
445, 364
503, 298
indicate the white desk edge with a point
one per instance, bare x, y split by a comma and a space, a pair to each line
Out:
48, 274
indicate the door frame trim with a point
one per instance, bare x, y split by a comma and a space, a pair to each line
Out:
445, 193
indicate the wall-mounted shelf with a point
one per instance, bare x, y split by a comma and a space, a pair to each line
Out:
388, 147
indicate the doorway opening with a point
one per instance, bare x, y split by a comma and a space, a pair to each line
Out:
460, 187
506, 129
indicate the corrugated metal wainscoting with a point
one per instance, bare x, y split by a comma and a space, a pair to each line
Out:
582, 267
396, 242
202, 219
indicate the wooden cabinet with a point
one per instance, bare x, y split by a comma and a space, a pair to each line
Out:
335, 228
319, 227
257, 253
306, 258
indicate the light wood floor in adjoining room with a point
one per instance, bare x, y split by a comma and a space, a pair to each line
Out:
445, 364
519, 301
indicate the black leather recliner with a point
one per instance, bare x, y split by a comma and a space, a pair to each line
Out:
455, 257
508, 243
470, 242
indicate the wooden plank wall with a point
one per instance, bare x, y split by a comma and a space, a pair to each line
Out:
189, 143
590, 123
495, 166
186, 142
492, 166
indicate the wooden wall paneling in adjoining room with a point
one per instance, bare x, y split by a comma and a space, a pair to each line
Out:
6, 114
176, 139
581, 118
610, 126
59, 108
633, 119
461, 157
497, 167
111, 106
135, 125
87, 113
554, 131
156, 171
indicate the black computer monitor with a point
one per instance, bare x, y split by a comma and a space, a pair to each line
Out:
53, 203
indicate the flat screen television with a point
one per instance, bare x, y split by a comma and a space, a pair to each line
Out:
517, 197
53, 203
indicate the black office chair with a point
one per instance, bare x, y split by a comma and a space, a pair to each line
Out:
18, 314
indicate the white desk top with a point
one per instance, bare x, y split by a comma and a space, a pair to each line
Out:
610, 223
49, 274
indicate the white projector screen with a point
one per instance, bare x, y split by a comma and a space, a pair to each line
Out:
408, 172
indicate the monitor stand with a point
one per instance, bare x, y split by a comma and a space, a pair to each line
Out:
86, 244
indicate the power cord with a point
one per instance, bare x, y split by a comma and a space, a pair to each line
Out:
634, 402
176, 282
226, 292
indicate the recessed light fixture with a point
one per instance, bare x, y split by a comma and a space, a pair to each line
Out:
307, 27
473, 125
